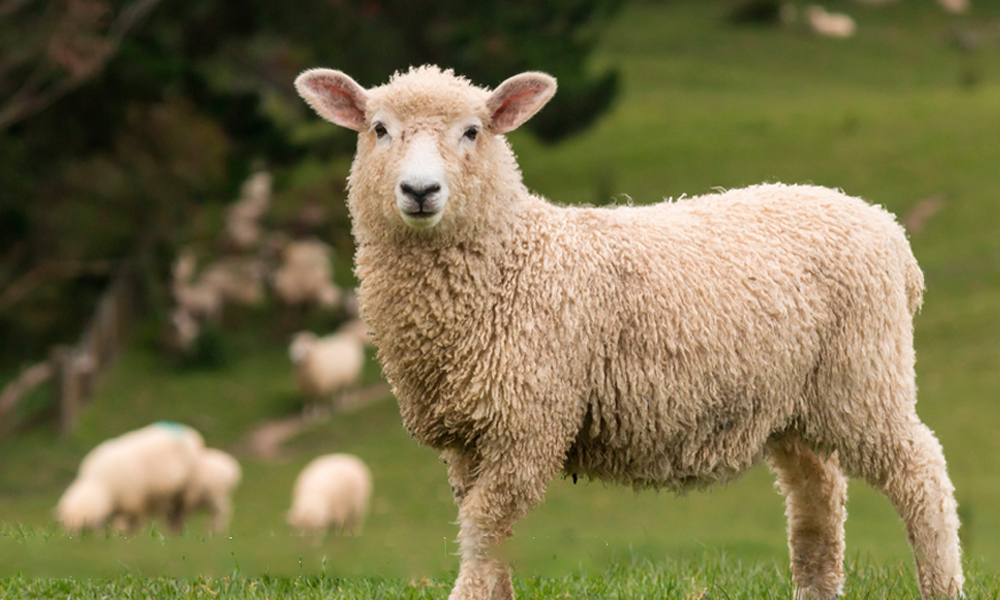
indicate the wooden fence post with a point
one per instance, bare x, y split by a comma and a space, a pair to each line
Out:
65, 384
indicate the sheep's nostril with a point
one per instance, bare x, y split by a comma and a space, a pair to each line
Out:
419, 193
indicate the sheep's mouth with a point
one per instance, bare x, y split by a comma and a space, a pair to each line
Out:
421, 219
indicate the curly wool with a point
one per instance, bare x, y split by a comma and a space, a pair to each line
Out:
671, 345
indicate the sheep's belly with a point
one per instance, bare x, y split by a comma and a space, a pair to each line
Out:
686, 460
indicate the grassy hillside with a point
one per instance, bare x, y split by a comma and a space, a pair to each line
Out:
897, 115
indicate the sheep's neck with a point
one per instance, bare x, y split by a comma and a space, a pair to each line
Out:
432, 309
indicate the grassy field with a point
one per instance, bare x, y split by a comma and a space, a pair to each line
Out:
715, 576
897, 115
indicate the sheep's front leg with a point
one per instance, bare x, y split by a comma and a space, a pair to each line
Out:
486, 517
492, 494
462, 467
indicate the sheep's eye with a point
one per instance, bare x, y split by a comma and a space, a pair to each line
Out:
471, 133
380, 130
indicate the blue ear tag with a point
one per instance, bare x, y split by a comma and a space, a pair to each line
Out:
175, 428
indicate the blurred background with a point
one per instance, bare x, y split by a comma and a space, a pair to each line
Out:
160, 185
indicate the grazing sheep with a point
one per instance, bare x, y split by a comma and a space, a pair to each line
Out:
306, 275
836, 25
132, 477
673, 345
331, 494
328, 365
216, 476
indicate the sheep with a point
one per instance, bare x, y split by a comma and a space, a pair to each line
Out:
955, 7
328, 365
237, 280
216, 476
243, 217
331, 494
836, 25
199, 299
127, 479
306, 275
667, 346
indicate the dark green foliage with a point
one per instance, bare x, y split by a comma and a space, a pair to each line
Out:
152, 133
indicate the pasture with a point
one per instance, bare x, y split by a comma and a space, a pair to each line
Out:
899, 115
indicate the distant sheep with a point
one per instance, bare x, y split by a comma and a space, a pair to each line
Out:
836, 25
328, 365
243, 217
201, 300
216, 476
237, 280
332, 493
306, 275
955, 7
132, 477
673, 345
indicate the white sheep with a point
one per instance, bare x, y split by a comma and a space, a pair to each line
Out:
327, 366
243, 217
673, 345
827, 24
306, 275
331, 494
216, 476
133, 477
200, 299
184, 329
237, 280
955, 7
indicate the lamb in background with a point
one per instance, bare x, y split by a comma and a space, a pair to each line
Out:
161, 470
827, 24
331, 494
243, 216
130, 478
673, 345
305, 276
327, 366
215, 478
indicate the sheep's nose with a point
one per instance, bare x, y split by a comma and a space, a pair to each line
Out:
420, 193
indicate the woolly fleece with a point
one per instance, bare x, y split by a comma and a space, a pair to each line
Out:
331, 493
673, 345
131, 477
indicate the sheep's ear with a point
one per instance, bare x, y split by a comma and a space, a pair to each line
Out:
335, 96
518, 99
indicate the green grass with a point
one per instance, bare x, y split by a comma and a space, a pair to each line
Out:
888, 115
711, 576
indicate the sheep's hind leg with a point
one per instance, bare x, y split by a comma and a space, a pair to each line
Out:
906, 464
815, 491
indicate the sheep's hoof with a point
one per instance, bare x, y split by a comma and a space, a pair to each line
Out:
489, 582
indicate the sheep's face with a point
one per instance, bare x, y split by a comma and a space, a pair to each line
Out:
430, 144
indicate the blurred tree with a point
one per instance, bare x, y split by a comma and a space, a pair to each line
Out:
122, 122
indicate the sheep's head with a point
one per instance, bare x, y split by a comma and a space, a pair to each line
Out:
85, 505
429, 142
302, 343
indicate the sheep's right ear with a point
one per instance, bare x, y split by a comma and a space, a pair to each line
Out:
518, 99
335, 96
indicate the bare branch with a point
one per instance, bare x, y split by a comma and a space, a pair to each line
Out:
46, 272
30, 99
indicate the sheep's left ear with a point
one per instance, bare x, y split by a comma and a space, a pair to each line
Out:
518, 99
335, 96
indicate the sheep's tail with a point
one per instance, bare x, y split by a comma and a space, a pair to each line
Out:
914, 283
